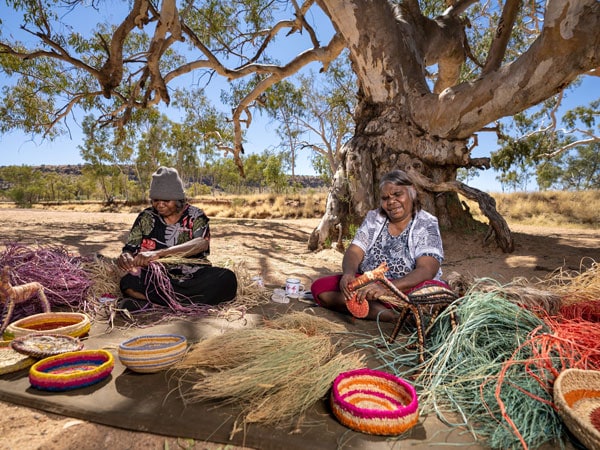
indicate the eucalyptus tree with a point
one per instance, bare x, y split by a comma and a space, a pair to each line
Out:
421, 95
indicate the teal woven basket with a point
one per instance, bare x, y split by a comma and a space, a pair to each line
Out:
152, 353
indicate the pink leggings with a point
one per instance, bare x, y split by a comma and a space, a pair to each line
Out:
332, 284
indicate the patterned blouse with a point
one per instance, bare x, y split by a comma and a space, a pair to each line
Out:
420, 238
150, 232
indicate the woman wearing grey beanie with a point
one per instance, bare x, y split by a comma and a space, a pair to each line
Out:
172, 227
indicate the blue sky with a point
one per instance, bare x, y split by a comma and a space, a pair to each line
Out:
21, 149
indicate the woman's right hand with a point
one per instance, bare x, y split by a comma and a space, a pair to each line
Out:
344, 282
125, 262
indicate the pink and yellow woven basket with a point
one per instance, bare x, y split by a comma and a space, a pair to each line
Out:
374, 402
71, 370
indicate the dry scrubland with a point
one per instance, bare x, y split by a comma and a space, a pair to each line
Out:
553, 208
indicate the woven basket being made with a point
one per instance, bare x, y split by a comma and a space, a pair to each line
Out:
577, 397
71, 370
374, 402
67, 323
12, 361
152, 353
43, 345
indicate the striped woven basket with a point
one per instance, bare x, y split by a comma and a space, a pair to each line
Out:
67, 323
152, 353
577, 397
71, 370
374, 402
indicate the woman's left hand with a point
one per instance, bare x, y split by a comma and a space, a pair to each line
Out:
370, 292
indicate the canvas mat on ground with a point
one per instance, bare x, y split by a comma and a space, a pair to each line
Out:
149, 402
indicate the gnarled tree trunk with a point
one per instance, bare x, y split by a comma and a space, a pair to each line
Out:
390, 141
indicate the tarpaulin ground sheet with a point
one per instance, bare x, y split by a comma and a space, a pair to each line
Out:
152, 402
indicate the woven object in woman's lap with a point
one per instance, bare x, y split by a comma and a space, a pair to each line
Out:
359, 309
577, 397
374, 402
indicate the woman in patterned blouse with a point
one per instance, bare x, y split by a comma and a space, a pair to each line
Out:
171, 227
400, 233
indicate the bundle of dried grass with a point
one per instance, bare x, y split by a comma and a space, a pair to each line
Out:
273, 375
249, 293
574, 287
520, 292
308, 324
105, 276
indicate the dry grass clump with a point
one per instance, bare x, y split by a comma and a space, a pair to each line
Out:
306, 323
274, 375
264, 206
576, 287
550, 208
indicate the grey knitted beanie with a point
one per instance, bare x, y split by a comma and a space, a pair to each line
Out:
166, 185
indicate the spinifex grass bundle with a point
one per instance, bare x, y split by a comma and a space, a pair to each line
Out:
482, 373
61, 274
575, 287
306, 323
273, 375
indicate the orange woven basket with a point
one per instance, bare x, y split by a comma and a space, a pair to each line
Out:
374, 402
577, 397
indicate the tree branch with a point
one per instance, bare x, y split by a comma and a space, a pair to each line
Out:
502, 36
486, 203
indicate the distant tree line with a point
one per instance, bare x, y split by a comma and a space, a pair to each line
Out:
27, 185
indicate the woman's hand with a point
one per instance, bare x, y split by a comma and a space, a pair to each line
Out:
142, 259
371, 292
125, 262
344, 281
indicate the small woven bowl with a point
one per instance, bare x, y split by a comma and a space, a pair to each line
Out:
152, 353
44, 345
577, 396
71, 370
67, 323
374, 402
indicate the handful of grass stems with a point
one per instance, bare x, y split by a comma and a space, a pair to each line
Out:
274, 373
487, 374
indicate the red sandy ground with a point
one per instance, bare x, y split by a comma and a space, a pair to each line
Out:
275, 249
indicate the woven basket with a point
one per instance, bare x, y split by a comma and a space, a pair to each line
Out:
152, 353
11, 361
71, 370
577, 397
374, 402
67, 323
43, 345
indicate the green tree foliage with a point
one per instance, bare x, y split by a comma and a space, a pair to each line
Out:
535, 147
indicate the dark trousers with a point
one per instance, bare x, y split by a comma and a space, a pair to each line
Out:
209, 285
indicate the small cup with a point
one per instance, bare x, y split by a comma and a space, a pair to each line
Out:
258, 281
293, 288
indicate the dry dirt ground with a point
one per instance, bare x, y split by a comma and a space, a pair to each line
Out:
275, 249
